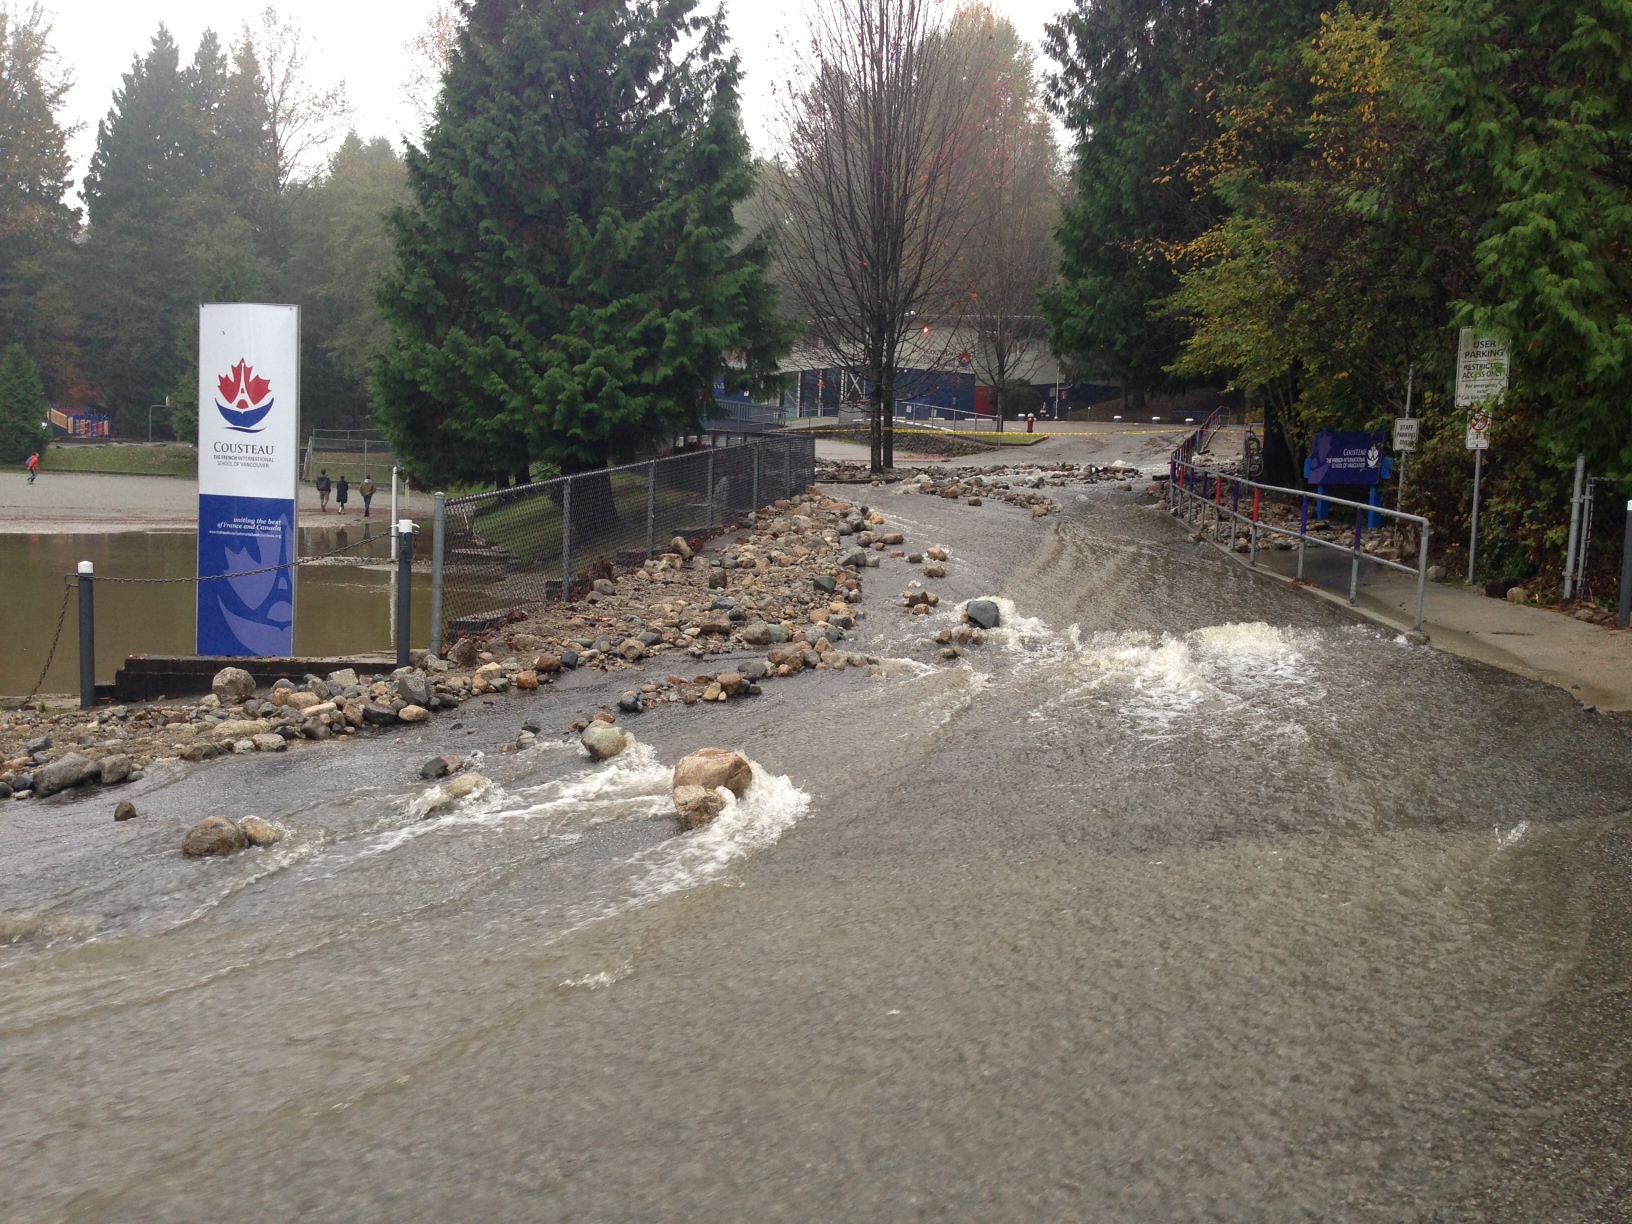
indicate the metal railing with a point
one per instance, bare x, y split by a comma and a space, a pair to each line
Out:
1195, 489
539, 542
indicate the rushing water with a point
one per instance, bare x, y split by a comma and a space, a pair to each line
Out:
1184, 898
340, 608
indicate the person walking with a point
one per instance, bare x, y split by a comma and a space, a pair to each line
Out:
342, 491
33, 466
321, 484
367, 490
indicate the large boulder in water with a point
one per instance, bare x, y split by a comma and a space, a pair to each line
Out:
213, 835
603, 739
698, 779
983, 612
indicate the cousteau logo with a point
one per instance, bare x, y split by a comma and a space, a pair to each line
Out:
247, 399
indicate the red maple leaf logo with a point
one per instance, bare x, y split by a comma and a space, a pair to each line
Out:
242, 388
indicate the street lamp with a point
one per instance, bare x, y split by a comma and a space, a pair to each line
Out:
150, 408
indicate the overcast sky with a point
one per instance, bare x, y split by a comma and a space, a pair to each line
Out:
362, 42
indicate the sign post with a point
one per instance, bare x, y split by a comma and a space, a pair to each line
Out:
248, 478
1481, 378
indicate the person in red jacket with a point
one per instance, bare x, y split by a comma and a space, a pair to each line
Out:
33, 466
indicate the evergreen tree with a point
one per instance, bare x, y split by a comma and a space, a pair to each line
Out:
22, 406
570, 280
36, 223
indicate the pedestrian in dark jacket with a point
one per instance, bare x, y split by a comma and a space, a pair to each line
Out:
321, 484
341, 492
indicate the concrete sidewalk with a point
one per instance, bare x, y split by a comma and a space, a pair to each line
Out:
1591, 663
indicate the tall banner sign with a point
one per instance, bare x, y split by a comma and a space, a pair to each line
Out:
248, 478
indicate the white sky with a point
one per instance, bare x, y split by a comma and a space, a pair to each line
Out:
362, 42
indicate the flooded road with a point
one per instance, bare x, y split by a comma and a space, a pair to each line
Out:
1184, 898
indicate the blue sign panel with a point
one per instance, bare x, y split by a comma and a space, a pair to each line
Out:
1346, 458
252, 615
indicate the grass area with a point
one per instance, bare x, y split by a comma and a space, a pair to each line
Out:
124, 458
530, 526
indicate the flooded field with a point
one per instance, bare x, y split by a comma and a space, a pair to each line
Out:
341, 607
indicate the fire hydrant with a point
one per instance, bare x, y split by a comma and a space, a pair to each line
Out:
1031, 422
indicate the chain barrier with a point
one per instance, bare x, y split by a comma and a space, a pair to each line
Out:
267, 569
62, 615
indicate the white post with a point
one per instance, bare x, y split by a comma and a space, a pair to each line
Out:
393, 499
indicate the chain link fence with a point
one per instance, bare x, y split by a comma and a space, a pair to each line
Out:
537, 542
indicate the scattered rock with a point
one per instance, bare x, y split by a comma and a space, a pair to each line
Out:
463, 652
983, 612
377, 715
269, 742
547, 664
696, 806
603, 740
125, 810
65, 772
213, 835
678, 545
1517, 595
437, 767
415, 690
630, 703
115, 769
413, 714
258, 832
525, 680
934, 571
466, 784
231, 685
825, 582
634, 649
234, 729
715, 767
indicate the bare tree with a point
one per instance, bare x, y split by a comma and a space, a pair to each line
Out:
871, 215
302, 119
1013, 171
428, 55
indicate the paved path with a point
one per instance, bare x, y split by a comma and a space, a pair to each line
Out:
1593, 664
93, 502
1145, 446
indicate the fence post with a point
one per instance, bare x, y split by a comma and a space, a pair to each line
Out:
1303, 534
1422, 573
405, 587
787, 473
651, 505
1626, 570
87, 638
439, 537
758, 446
708, 501
1354, 562
566, 540
1575, 526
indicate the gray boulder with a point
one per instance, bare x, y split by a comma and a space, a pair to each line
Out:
232, 684
116, 769
415, 690
63, 773
983, 612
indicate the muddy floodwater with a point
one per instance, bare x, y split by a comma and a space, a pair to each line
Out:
1183, 898
341, 608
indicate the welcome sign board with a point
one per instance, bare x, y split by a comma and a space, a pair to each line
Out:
1346, 458
248, 478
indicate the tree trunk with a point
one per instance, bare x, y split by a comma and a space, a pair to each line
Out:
877, 432
594, 510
